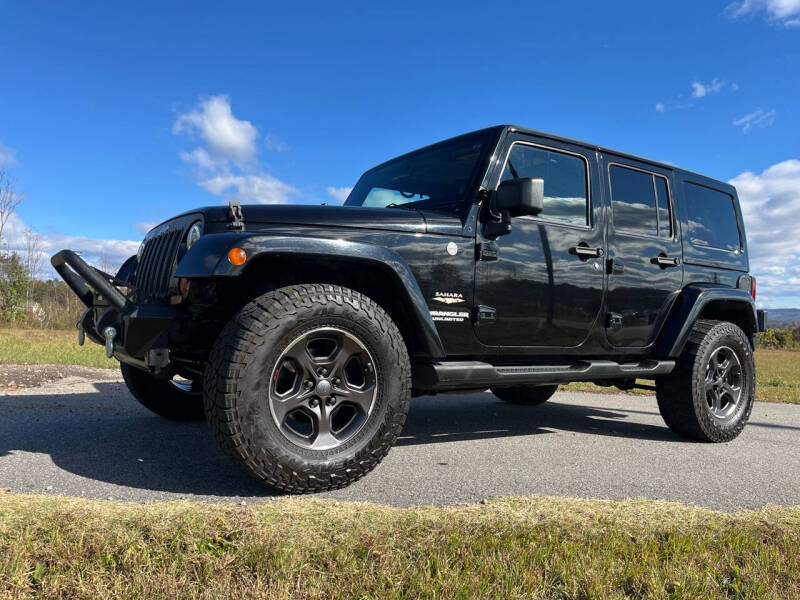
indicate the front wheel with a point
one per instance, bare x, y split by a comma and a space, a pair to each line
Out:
308, 387
709, 395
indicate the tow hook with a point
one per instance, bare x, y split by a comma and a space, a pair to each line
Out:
81, 334
109, 333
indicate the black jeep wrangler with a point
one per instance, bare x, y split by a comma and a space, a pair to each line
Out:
506, 259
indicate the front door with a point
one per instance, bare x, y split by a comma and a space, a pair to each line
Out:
546, 284
644, 251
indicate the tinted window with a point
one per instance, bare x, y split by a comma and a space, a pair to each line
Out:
711, 218
565, 190
633, 201
664, 214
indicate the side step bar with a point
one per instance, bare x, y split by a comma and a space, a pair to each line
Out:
475, 374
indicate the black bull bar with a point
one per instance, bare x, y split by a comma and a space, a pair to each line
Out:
134, 333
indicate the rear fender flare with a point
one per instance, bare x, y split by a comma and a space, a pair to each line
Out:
688, 307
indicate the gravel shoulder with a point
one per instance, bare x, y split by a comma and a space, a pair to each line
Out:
14, 377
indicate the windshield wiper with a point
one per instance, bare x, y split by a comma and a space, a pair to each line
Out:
404, 205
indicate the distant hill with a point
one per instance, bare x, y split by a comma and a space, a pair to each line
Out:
783, 317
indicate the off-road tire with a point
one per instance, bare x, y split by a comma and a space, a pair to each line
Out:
681, 395
162, 397
526, 395
236, 391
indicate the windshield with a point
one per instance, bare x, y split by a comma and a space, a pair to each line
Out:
435, 177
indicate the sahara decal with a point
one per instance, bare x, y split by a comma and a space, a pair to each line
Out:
448, 297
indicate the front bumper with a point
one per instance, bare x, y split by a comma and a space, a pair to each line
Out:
139, 333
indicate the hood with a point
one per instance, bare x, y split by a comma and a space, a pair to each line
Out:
390, 219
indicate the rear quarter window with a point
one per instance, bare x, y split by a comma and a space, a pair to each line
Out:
711, 218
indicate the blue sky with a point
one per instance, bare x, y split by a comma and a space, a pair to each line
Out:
117, 116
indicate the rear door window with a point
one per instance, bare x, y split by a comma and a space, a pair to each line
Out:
640, 202
711, 218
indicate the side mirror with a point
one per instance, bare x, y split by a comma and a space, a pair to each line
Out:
520, 196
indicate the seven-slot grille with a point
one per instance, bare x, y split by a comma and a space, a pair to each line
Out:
157, 264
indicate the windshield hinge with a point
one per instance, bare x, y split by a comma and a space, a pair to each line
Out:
237, 219
486, 250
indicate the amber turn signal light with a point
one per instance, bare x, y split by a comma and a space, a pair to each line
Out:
237, 256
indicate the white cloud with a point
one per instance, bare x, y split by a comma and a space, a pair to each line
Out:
226, 136
110, 253
260, 188
273, 143
781, 12
226, 165
7, 156
339, 193
201, 159
770, 205
144, 226
701, 90
757, 118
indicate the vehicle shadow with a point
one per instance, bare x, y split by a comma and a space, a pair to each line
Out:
106, 436
448, 418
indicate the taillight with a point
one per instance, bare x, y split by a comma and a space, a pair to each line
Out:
753, 287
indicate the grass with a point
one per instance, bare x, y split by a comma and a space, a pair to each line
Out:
307, 548
778, 371
778, 375
46, 346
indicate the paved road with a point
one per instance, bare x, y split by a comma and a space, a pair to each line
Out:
83, 438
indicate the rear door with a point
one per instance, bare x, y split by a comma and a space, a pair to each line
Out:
645, 262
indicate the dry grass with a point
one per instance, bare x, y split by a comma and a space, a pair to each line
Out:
293, 548
778, 375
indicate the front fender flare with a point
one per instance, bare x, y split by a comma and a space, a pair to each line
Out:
687, 309
208, 258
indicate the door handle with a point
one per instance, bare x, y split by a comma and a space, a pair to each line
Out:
665, 261
583, 250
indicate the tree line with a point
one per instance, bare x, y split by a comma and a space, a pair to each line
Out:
26, 300
780, 338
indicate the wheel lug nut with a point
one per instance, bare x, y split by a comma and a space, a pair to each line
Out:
309, 384
313, 402
323, 372
337, 381
331, 401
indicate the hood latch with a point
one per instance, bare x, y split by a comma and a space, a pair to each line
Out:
237, 219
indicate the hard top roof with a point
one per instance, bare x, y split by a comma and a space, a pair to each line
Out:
499, 129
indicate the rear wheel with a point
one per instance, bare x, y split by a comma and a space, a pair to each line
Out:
308, 387
710, 394
528, 395
175, 400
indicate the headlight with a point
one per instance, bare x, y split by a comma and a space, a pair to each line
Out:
195, 231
